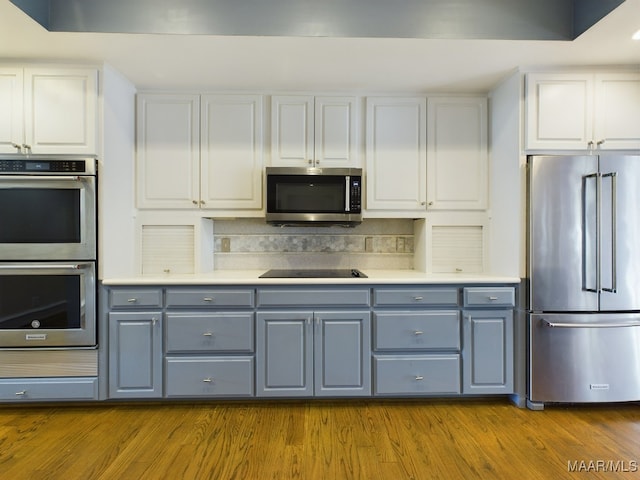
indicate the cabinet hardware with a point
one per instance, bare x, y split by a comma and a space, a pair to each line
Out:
417, 333
419, 378
27, 148
493, 299
600, 142
16, 146
208, 380
430, 203
132, 300
195, 202
418, 298
208, 299
21, 393
208, 334
201, 202
154, 321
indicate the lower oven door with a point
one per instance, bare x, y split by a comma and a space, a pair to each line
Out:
584, 357
48, 304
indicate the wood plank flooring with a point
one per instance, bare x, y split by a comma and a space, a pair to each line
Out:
372, 440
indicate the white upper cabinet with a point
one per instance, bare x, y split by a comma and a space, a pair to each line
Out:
168, 151
49, 111
396, 154
308, 131
567, 111
200, 152
231, 152
457, 157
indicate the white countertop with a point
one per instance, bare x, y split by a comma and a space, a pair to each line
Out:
250, 277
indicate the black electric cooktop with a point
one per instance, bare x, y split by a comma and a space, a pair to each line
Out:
314, 273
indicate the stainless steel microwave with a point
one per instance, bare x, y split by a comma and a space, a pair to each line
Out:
313, 196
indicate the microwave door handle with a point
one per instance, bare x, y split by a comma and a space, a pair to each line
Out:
347, 192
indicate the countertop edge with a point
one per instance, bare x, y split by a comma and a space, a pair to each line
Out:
250, 277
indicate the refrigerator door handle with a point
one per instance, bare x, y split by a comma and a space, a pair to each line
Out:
613, 176
549, 324
586, 261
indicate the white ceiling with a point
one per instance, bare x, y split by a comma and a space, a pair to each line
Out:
216, 63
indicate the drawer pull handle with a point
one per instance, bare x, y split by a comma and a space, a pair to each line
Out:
493, 299
21, 393
208, 380
208, 334
419, 378
132, 300
417, 298
418, 332
208, 299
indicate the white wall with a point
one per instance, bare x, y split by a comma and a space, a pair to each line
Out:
507, 179
116, 176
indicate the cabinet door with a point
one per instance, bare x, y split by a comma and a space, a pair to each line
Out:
457, 158
11, 110
396, 154
61, 111
335, 140
135, 355
488, 352
342, 351
231, 151
292, 131
284, 354
559, 111
617, 111
168, 151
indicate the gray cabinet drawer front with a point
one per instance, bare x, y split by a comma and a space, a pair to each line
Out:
416, 374
34, 389
290, 297
410, 330
209, 376
209, 332
416, 296
135, 297
489, 297
210, 297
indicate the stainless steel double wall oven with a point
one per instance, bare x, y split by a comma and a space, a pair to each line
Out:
48, 252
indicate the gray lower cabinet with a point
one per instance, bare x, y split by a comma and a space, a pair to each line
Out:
209, 376
48, 389
313, 353
488, 352
135, 354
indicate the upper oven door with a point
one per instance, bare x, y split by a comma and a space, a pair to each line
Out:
47, 217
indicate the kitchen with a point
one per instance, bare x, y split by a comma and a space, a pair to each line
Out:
121, 221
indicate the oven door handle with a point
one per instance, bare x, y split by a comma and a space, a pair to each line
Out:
29, 266
73, 178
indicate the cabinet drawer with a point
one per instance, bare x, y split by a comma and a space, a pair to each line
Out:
489, 296
416, 374
290, 297
417, 296
209, 376
76, 388
210, 297
425, 330
131, 298
209, 332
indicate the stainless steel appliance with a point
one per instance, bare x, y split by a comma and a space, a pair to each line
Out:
584, 278
48, 254
314, 196
47, 208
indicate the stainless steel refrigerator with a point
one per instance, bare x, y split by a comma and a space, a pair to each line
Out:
583, 279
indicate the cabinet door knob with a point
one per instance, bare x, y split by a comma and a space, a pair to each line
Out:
195, 202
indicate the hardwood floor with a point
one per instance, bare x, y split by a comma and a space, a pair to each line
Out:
372, 440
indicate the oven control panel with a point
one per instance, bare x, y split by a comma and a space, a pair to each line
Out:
48, 166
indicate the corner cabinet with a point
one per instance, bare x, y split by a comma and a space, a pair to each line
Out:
577, 111
200, 152
308, 131
396, 158
49, 110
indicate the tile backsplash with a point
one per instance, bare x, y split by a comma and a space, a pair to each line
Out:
374, 244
